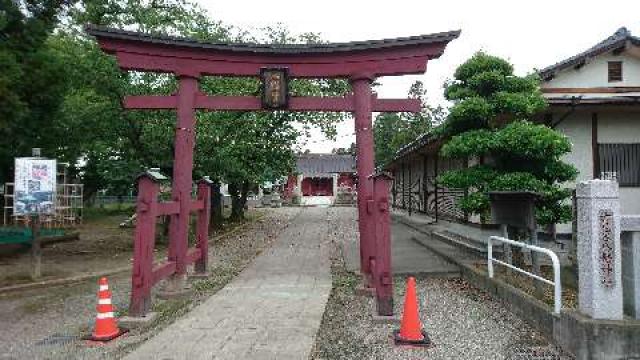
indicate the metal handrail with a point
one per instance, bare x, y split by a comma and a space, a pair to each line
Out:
554, 260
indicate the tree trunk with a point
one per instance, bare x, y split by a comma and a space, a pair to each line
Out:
216, 206
243, 195
237, 207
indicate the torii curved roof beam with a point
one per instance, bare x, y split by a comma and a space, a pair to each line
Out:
183, 56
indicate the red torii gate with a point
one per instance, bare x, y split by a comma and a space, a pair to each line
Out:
360, 62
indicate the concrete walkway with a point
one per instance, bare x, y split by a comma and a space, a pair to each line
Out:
272, 310
407, 255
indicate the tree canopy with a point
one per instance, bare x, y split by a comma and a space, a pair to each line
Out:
392, 131
67, 97
32, 80
490, 122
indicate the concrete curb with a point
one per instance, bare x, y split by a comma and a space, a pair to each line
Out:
4, 291
60, 282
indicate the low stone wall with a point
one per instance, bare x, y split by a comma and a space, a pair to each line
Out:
585, 338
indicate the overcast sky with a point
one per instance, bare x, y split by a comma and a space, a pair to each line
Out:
530, 34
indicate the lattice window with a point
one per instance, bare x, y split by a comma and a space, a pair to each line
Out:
623, 160
615, 71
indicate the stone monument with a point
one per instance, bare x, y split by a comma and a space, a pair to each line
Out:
599, 251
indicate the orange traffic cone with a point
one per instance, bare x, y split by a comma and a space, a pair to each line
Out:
411, 332
106, 325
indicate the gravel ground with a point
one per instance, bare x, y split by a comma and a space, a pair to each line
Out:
43, 324
463, 322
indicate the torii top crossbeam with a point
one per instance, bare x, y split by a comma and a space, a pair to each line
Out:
400, 56
351, 60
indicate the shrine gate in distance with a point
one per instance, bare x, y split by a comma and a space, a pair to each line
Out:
188, 59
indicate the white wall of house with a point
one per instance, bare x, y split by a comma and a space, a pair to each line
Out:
618, 127
615, 127
622, 127
595, 73
577, 127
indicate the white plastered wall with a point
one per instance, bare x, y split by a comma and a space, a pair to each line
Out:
622, 127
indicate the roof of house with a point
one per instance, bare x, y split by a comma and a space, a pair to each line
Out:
325, 164
616, 41
112, 33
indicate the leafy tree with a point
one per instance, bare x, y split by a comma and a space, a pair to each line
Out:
239, 148
489, 122
32, 81
351, 150
392, 131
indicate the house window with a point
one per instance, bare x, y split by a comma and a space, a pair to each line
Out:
615, 71
623, 160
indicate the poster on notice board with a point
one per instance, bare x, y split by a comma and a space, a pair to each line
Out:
34, 186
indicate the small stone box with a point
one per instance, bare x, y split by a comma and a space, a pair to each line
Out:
514, 208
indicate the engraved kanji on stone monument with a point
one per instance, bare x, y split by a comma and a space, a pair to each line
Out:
607, 248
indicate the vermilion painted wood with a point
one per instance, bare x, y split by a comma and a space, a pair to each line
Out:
365, 168
197, 204
248, 103
191, 67
151, 102
193, 255
382, 222
202, 226
143, 244
163, 270
168, 208
171, 58
182, 173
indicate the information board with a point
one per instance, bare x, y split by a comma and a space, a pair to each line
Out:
35, 186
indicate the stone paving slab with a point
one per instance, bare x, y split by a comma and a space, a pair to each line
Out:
272, 310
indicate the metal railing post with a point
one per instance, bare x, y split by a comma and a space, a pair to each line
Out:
490, 257
557, 293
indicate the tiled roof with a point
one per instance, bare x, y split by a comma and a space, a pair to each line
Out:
325, 164
106, 32
613, 42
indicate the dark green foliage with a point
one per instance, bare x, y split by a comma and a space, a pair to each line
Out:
392, 131
59, 91
32, 79
489, 121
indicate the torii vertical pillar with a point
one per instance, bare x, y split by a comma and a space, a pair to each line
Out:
361, 87
182, 180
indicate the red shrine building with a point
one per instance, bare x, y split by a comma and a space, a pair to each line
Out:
320, 175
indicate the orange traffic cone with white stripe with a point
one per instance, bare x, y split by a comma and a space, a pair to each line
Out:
106, 327
411, 332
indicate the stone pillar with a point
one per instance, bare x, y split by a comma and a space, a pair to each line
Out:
334, 179
361, 86
630, 239
599, 251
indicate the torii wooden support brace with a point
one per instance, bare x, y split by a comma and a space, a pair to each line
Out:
146, 272
360, 62
380, 260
